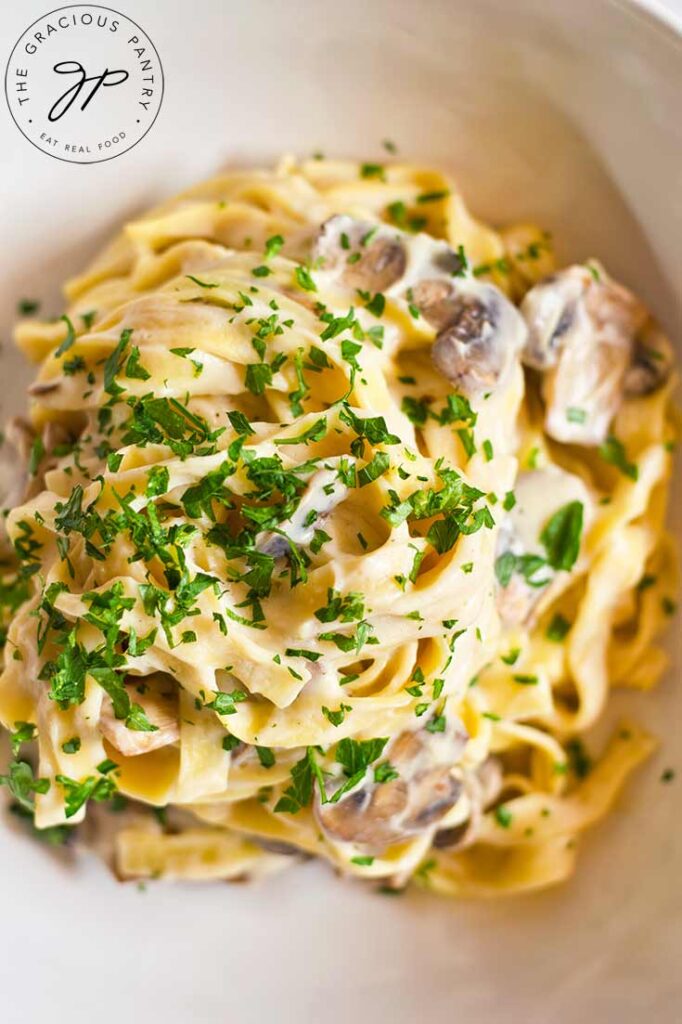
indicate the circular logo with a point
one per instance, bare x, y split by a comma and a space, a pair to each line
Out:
84, 83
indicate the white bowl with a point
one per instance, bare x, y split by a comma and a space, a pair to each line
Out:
561, 111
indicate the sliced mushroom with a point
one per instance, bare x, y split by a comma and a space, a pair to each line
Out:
553, 311
365, 255
479, 331
651, 364
44, 387
377, 814
481, 338
436, 300
324, 492
594, 343
539, 495
159, 704
482, 787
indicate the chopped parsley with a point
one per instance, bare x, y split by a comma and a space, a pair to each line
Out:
22, 784
613, 452
265, 756
579, 760
304, 279
558, 628
433, 197
337, 717
202, 284
503, 816
98, 787
561, 536
575, 415
273, 246
372, 171
70, 338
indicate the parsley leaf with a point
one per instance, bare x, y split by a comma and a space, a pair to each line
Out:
373, 428
432, 197
22, 785
336, 717
224, 703
134, 369
265, 756
300, 792
198, 499
202, 284
240, 423
273, 246
98, 788
304, 279
356, 755
258, 376
613, 452
374, 469
372, 171
376, 305
315, 432
114, 362
157, 481
503, 816
69, 339
558, 628
561, 536
23, 732
67, 676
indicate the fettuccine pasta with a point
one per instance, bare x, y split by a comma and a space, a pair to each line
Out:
337, 517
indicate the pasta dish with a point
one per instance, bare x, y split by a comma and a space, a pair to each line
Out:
337, 517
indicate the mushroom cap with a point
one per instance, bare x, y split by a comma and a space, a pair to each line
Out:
367, 256
160, 707
552, 311
379, 814
482, 787
586, 335
381, 264
437, 301
480, 332
481, 339
652, 362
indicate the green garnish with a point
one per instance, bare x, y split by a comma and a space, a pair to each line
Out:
372, 171
558, 628
613, 452
202, 284
69, 339
503, 816
561, 536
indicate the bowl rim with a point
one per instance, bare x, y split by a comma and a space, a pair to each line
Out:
658, 13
